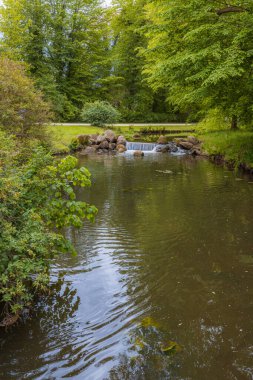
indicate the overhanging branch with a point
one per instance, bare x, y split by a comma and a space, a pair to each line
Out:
230, 10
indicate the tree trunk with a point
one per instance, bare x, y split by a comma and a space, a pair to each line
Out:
234, 123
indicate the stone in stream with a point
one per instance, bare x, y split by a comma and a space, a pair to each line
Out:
112, 146
162, 140
110, 136
170, 147
121, 147
138, 153
121, 140
93, 139
121, 150
186, 145
100, 139
104, 145
193, 140
196, 151
83, 139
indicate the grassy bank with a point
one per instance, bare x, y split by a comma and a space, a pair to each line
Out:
235, 146
64, 134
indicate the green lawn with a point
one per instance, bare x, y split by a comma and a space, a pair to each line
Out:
62, 135
233, 145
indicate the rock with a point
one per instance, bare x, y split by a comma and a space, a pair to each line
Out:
83, 139
162, 148
121, 146
177, 141
162, 140
170, 147
112, 146
121, 140
104, 145
110, 136
93, 139
100, 139
121, 150
193, 140
196, 152
186, 145
136, 136
88, 150
138, 153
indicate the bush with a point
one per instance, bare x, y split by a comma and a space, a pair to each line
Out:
37, 200
23, 111
100, 113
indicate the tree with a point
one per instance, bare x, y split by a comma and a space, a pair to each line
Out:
201, 53
64, 44
127, 87
23, 111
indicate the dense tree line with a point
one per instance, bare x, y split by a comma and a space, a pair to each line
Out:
154, 60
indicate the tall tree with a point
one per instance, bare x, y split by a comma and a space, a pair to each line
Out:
129, 89
201, 53
65, 45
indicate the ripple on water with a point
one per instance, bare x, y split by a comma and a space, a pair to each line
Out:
172, 248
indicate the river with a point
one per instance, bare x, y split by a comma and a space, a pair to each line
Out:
161, 287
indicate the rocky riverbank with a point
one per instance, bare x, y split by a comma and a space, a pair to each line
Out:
110, 142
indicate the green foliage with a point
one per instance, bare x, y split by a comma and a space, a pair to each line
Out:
215, 120
65, 46
127, 87
202, 57
100, 113
23, 111
74, 145
37, 200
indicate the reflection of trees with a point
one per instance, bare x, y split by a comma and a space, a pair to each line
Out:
144, 359
189, 228
44, 339
60, 305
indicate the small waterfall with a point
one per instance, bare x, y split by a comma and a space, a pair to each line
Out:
144, 147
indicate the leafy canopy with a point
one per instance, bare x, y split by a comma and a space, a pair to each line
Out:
201, 53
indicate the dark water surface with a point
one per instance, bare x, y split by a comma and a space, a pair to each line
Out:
169, 258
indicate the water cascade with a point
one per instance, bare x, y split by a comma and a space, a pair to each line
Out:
144, 147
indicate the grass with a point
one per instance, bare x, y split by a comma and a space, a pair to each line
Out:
236, 146
63, 135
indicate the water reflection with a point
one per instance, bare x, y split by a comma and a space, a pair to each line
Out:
172, 244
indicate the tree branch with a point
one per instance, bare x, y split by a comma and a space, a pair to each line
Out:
230, 10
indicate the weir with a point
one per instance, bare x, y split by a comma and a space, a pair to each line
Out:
144, 147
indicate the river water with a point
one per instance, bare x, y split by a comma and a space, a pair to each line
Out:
161, 287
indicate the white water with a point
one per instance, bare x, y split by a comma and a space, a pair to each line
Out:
144, 147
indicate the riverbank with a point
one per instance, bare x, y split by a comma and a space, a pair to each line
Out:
233, 148
64, 134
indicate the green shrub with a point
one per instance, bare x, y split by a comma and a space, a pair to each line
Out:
23, 111
100, 113
74, 145
37, 201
